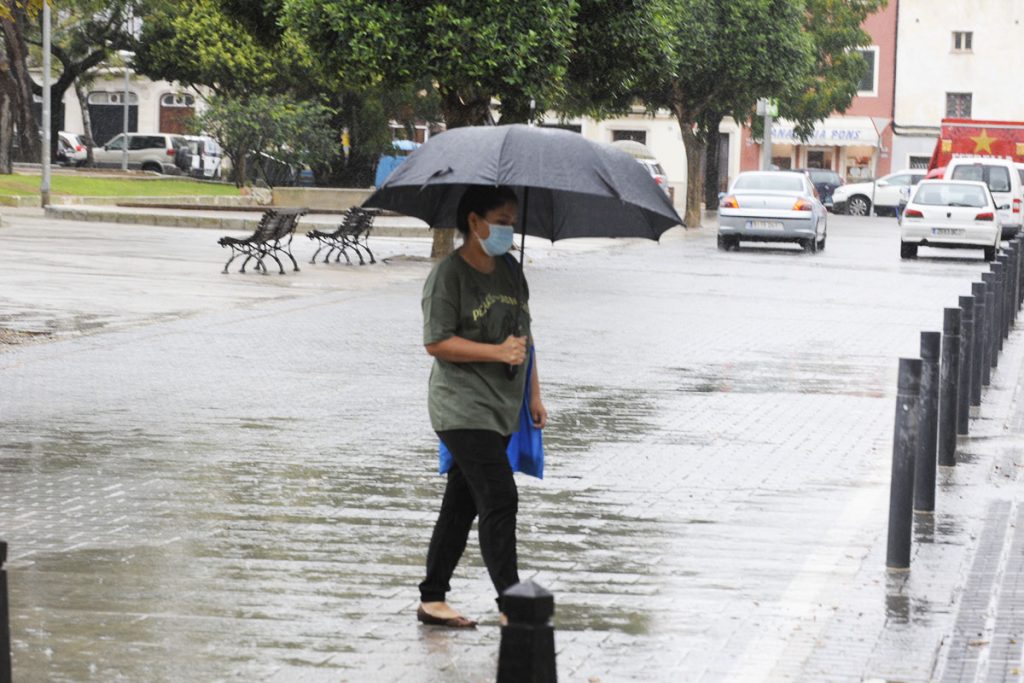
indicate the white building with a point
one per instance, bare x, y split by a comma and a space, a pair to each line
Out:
153, 106
661, 134
954, 58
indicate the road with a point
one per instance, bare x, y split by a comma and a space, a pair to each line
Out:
233, 475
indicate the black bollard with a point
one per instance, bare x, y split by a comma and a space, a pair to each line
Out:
979, 349
1002, 270
949, 375
904, 452
965, 370
1008, 271
999, 270
5, 620
928, 410
992, 333
527, 653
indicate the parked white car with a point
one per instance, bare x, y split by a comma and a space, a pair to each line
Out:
880, 196
206, 156
1003, 181
71, 149
950, 214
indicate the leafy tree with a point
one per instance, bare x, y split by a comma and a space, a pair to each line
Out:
16, 84
472, 50
835, 28
724, 55
245, 49
85, 34
296, 133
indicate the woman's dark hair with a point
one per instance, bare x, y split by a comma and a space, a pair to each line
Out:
480, 199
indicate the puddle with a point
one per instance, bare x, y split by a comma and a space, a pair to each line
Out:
783, 376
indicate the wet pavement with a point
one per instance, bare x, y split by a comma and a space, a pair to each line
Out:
211, 477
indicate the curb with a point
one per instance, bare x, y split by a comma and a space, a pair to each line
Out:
184, 220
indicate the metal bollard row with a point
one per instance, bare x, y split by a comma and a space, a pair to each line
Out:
936, 391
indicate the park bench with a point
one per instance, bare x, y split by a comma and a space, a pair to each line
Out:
272, 236
352, 233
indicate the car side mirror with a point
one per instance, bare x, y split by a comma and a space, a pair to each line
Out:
883, 183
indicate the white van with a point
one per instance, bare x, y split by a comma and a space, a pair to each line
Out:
1003, 181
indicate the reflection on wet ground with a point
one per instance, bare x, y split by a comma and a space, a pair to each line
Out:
249, 493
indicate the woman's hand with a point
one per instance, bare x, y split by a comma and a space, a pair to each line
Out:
512, 351
538, 412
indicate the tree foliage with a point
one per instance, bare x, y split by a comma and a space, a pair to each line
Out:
297, 133
835, 29
473, 50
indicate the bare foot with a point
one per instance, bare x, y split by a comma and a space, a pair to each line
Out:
502, 619
441, 610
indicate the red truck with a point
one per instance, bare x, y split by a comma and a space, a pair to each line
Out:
973, 137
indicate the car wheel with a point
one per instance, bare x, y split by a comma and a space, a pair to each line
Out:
154, 168
810, 245
990, 253
858, 206
908, 250
821, 244
723, 243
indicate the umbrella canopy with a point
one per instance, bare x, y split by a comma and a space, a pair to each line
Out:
575, 187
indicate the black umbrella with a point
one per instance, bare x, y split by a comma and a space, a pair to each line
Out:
568, 186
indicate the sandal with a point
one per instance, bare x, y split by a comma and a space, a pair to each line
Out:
451, 622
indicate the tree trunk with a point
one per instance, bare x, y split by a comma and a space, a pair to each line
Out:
83, 104
6, 132
694, 179
458, 111
711, 163
17, 54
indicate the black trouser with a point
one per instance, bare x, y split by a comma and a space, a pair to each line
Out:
480, 482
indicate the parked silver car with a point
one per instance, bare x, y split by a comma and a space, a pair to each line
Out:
157, 152
772, 206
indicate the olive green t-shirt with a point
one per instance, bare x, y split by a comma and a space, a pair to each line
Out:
459, 300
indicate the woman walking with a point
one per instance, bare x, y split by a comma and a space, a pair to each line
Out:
476, 322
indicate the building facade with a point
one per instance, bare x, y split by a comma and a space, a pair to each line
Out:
954, 59
858, 143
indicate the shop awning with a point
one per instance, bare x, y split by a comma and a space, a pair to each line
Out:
833, 132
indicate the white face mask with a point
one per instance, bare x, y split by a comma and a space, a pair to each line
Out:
499, 241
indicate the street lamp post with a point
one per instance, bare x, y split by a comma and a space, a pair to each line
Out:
124, 147
44, 187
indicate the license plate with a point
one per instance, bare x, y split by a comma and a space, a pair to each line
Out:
947, 231
765, 225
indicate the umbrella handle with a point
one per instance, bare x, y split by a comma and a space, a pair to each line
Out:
511, 371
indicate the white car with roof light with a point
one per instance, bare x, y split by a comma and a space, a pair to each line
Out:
1003, 181
950, 214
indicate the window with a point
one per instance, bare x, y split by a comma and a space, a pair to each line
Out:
951, 195
901, 180
637, 135
914, 161
869, 83
112, 98
958, 105
116, 143
146, 142
175, 100
996, 177
962, 41
765, 181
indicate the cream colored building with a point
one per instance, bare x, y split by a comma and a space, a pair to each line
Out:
954, 59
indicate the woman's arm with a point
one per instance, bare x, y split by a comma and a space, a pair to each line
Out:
512, 351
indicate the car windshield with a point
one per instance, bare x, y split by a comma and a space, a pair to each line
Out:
824, 177
996, 177
951, 194
770, 181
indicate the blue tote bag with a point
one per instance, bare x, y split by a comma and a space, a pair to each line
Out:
525, 448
